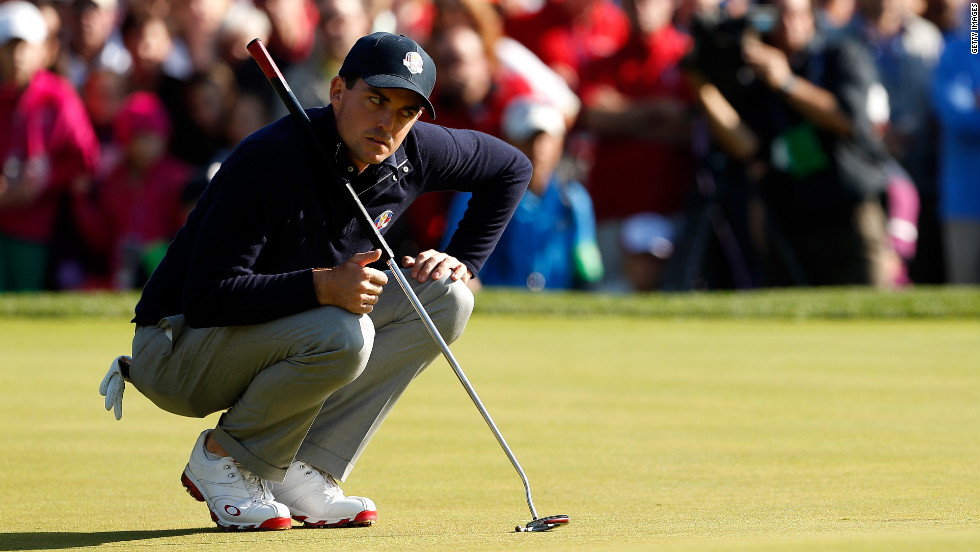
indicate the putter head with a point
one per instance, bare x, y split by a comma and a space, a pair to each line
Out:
543, 524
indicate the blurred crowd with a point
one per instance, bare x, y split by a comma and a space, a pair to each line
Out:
676, 144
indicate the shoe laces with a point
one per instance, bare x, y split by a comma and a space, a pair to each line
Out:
330, 487
257, 487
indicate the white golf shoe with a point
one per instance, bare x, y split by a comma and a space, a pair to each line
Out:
316, 499
237, 498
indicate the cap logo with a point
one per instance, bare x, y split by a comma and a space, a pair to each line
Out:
414, 62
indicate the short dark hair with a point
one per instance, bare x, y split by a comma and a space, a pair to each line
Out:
350, 79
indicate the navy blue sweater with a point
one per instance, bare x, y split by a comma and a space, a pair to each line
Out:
271, 215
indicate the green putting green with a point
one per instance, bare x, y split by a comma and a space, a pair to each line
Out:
759, 433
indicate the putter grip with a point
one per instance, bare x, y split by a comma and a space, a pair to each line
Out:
262, 57
279, 84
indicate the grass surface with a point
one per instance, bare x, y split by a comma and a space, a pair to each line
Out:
830, 303
652, 433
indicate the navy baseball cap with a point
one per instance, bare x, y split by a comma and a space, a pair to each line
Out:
386, 60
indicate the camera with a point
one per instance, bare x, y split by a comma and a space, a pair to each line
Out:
717, 50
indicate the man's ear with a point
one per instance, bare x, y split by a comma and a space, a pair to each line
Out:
337, 88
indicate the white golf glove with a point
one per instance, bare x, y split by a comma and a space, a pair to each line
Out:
114, 385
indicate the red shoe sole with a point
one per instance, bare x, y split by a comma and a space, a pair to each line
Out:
190, 488
363, 519
271, 524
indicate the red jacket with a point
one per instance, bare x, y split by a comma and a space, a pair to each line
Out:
630, 175
571, 40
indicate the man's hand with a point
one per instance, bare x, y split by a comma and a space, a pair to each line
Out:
436, 264
768, 63
24, 184
351, 286
817, 104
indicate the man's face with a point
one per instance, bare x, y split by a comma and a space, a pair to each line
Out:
372, 122
93, 25
873, 9
795, 27
150, 45
200, 18
464, 70
544, 150
20, 61
342, 23
649, 16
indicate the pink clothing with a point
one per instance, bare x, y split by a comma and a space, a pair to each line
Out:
141, 112
44, 128
134, 211
631, 175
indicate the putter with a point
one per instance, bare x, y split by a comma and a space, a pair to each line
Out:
271, 71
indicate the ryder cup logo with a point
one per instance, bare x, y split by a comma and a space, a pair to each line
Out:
414, 62
383, 219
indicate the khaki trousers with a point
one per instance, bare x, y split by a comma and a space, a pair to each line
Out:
315, 385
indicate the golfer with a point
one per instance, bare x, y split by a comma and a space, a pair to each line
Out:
265, 306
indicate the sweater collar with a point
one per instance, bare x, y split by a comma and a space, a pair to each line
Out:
335, 148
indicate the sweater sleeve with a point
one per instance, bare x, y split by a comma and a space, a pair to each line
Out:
496, 174
232, 223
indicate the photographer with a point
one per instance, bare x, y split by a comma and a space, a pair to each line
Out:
793, 106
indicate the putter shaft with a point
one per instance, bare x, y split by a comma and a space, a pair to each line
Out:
430, 325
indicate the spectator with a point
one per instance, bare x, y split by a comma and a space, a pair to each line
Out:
473, 88
294, 25
544, 82
103, 95
550, 242
197, 23
95, 41
516, 8
137, 210
150, 44
956, 97
241, 24
509, 55
687, 10
905, 49
46, 146
834, 15
808, 139
947, 15
152, 47
638, 106
208, 100
567, 34
248, 113
412, 18
148, 8
342, 22
56, 59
